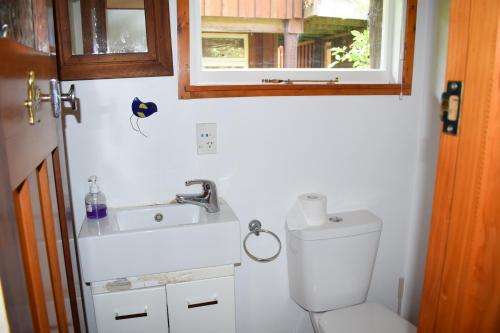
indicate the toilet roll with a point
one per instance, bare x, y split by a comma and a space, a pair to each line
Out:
308, 210
313, 206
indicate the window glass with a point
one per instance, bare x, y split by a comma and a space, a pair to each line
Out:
16, 21
126, 31
111, 26
220, 50
326, 34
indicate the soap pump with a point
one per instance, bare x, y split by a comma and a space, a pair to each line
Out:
95, 201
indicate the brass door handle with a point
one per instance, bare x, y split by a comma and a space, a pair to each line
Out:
55, 97
32, 104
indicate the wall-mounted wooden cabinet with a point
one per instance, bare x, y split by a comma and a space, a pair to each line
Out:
100, 39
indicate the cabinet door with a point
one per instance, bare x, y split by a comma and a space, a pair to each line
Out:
139, 310
205, 306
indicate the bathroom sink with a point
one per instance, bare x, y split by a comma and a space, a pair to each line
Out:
154, 217
143, 240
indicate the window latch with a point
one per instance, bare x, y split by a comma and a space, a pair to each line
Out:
289, 81
450, 107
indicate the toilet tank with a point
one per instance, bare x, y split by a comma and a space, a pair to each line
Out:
330, 266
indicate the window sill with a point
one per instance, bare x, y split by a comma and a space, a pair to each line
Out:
218, 91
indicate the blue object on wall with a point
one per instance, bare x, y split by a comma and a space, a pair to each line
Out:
141, 110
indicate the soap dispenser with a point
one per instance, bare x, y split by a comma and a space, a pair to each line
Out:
95, 201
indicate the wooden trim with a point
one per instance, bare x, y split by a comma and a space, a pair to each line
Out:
409, 44
31, 260
485, 300
183, 47
63, 225
86, 17
156, 62
296, 90
446, 172
49, 232
91, 28
188, 91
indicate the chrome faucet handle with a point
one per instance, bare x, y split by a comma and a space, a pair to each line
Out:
209, 187
202, 182
208, 198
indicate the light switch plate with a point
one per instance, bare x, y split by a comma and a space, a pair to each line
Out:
206, 138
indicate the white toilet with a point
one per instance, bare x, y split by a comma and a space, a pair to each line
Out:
329, 271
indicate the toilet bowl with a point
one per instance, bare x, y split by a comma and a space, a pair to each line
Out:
362, 318
329, 271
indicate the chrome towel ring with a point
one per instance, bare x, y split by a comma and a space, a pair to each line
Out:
255, 228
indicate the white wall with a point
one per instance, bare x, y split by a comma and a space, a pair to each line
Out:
361, 151
429, 127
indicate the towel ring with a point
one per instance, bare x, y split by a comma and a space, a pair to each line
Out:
255, 228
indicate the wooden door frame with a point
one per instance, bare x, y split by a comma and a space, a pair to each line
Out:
453, 297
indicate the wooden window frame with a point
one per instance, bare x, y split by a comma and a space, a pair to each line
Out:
189, 91
156, 62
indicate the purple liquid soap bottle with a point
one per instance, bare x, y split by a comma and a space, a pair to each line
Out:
95, 201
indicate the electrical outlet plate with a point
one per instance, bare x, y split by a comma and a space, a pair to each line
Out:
206, 138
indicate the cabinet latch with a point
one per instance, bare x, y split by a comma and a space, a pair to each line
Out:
450, 107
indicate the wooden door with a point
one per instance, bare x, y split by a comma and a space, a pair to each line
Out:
36, 231
462, 281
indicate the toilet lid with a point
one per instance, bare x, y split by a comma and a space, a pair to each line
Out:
366, 317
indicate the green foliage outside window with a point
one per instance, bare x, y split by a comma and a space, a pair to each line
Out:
358, 53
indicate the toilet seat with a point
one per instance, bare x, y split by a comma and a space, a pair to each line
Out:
363, 318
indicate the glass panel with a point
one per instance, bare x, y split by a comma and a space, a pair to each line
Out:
51, 29
292, 34
75, 22
126, 30
18, 16
107, 26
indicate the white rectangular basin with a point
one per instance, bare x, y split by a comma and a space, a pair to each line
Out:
154, 217
156, 239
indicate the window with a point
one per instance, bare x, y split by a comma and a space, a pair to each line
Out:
222, 50
233, 45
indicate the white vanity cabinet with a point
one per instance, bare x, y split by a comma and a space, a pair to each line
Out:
195, 301
139, 310
137, 262
204, 306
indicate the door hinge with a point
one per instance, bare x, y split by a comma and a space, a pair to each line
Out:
450, 107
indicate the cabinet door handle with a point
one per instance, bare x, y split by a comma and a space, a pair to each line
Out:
131, 316
197, 305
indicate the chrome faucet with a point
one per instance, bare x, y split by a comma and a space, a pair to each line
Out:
207, 199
